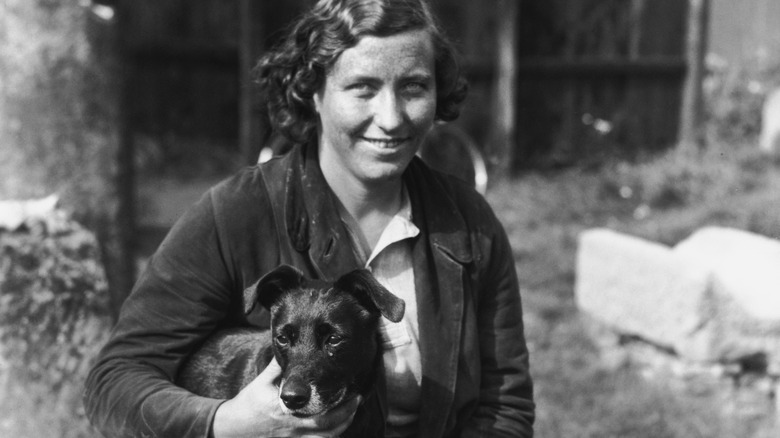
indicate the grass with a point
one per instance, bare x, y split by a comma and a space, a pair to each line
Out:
583, 390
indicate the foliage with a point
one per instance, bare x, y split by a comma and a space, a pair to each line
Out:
53, 317
734, 96
680, 177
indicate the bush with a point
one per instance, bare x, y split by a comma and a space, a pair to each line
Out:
734, 96
53, 318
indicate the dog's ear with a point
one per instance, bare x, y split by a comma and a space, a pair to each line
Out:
267, 289
371, 295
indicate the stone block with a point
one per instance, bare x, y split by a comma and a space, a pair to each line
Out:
642, 288
745, 289
745, 265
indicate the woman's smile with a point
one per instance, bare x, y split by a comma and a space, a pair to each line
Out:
386, 143
375, 108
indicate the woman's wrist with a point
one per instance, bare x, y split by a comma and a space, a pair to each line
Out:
224, 423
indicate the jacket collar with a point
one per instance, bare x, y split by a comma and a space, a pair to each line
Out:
440, 253
439, 259
437, 214
314, 225
312, 216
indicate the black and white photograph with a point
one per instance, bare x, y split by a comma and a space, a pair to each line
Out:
390, 218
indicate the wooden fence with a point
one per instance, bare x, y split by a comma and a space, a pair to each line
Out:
598, 78
590, 78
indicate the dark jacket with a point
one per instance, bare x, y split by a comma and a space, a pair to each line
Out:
474, 359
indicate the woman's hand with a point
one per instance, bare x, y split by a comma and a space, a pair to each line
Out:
255, 412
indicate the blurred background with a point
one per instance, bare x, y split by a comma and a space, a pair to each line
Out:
640, 116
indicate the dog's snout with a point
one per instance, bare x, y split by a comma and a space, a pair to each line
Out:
295, 394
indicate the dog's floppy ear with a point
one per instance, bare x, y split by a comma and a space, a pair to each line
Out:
268, 288
372, 295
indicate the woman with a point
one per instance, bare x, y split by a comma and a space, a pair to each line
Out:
358, 83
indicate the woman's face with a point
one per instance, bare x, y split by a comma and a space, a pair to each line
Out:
376, 106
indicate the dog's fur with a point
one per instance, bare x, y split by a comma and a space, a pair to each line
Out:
324, 336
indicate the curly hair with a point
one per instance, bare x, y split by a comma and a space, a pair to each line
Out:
290, 74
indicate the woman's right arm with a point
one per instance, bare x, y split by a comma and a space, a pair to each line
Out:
190, 285
179, 299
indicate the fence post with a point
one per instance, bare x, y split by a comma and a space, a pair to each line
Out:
502, 150
118, 234
691, 133
250, 45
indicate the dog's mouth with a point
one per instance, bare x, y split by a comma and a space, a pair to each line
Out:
317, 404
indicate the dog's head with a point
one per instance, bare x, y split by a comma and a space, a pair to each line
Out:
324, 334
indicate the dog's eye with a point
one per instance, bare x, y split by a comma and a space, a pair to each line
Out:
334, 340
282, 340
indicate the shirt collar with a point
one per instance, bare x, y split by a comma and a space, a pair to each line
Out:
399, 228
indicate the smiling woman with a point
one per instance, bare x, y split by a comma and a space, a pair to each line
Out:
320, 37
375, 108
357, 84
377, 105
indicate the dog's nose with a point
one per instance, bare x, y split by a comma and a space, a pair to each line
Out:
295, 394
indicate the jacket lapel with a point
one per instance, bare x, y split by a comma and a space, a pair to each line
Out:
440, 254
439, 258
313, 221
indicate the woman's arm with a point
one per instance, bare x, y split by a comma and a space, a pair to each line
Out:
180, 298
192, 284
506, 407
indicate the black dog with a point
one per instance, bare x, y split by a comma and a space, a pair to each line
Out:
324, 336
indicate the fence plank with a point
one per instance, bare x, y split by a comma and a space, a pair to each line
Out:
501, 151
691, 134
251, 42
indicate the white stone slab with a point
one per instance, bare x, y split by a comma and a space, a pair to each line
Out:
713, 297
640, 287
745, 267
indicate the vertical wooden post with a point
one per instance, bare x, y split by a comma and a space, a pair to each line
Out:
568, 143
121, 242
126, 179
250, 45
502, 150
691, 133
636, 29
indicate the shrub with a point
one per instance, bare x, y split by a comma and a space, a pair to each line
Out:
53, 318
734, 96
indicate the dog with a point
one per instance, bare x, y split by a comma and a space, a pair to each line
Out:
324, 335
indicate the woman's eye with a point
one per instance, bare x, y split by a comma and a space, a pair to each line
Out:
361, 89
416, 88
282, 340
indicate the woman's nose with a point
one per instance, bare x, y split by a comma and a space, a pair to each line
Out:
388, 111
